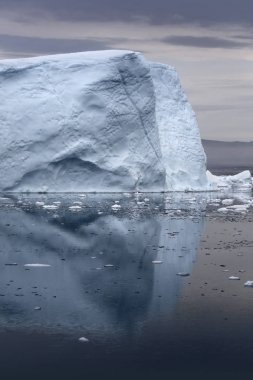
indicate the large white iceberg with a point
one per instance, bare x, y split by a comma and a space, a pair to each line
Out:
96, 121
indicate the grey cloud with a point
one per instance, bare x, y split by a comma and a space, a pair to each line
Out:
158, 12
204, 42
17, 44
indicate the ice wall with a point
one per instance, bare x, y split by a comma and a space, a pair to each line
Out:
96, 121
183, 155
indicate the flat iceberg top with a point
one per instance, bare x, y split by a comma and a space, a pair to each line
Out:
80, 57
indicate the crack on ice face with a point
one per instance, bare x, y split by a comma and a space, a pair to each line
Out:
139, 115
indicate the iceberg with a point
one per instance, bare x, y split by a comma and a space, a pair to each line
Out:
107, 121
241, 180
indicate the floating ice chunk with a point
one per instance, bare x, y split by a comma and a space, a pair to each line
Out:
238, 208
234, 278
83, 340
75, 208
157, 262
39, 203
116, 207
37, 308
37, 265
183, 274
222, 209
248, 284
108, 265
50, 207
227, 202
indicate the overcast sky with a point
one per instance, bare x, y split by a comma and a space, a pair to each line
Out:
210, 42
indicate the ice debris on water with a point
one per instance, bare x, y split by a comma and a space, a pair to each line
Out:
248, 284
157, 262
50, 207
227, 202
37, 265
234, 278
75, 208
183, 274
37, 308
83, 340
116, 207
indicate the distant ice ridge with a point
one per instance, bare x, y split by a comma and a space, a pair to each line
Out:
107, 121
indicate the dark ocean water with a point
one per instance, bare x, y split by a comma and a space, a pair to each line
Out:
142, 320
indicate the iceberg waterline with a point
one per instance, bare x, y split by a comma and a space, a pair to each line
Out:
107, 121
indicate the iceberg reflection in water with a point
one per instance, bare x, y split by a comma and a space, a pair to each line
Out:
99, 277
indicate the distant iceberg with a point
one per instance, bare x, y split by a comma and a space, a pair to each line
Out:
107, 121
241, 180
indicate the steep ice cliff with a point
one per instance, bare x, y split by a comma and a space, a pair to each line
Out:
182, 152
96, 121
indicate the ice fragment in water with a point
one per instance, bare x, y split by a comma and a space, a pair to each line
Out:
83, 340
248, 284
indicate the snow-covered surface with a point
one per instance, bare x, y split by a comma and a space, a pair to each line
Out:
96, 121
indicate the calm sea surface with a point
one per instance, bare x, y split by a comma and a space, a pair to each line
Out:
144, 278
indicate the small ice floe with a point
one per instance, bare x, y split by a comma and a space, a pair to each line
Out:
227, 202
238, 208
183, 274
37, 308
234, 278
75, 208
93, 257
83, 340
108, 265
157, 262
57, 203
50, 207
146, 200
248, 284
77, 203
99, 268
116, 207
223, 210
100, 212
82, 195
214, 204
37, 265
40, 203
